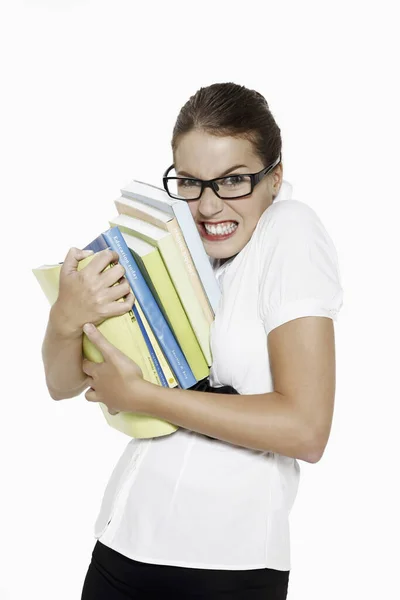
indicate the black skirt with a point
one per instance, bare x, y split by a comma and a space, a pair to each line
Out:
113, 576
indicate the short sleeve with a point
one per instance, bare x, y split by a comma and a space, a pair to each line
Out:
298, 269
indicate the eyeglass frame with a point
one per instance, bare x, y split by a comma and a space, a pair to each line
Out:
255, 178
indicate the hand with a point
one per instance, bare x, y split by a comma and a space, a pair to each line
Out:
114, 381
90, 295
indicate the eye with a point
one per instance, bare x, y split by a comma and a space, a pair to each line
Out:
188, 183
233, 180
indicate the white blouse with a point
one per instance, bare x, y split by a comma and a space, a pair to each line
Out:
192, 501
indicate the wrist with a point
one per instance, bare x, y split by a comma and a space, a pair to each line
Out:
61, 323
145, 394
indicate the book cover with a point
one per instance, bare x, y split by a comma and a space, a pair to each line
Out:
121, 331
151, 310
158, 198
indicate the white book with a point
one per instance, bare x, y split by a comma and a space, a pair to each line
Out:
168, 222
158, 198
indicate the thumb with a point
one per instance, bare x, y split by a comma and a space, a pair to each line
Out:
98, 339
73, 257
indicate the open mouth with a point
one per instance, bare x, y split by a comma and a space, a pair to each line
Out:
218, 231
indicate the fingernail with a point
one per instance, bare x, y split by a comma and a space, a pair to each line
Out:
88, 327
88, 251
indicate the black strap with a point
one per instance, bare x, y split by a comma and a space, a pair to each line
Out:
204, 386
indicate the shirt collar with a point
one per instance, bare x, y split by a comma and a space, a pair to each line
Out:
285, 192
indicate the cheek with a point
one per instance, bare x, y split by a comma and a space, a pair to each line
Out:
193, 206
248, 218
252, 212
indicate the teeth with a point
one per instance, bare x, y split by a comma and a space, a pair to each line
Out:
220, 229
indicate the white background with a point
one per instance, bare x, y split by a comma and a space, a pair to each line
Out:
90, 93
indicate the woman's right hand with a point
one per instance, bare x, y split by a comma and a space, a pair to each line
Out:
89, 295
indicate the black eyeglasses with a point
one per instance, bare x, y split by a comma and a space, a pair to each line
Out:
229, 187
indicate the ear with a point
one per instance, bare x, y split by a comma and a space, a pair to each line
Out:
277, 176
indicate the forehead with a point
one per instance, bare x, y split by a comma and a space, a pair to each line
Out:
206, 156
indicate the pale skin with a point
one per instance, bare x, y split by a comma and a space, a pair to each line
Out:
294, 420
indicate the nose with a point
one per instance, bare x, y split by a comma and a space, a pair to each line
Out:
209, 204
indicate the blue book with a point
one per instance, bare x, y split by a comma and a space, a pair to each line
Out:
170, 347
151, 310
99, 244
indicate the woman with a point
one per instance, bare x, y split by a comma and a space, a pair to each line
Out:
203, 513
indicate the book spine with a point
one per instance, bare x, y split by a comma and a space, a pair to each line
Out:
132, 211
151, 310
196, 249
99, 244
174, 263
147, 364
170, 380
191, 271
153, 355
154, 268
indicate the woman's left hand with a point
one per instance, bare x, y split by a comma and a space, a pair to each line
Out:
112, 381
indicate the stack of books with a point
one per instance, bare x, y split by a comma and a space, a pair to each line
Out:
167, 332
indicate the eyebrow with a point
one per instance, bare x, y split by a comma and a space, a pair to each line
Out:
222, 174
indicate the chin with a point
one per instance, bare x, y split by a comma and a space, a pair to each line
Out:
222, 250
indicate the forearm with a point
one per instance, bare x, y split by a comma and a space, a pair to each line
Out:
62, 358
267, 422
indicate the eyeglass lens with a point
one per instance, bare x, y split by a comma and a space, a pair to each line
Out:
231, 186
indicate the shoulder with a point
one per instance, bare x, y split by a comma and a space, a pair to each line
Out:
289, 225
291, 232
285, 214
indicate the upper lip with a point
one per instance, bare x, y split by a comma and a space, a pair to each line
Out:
218, 222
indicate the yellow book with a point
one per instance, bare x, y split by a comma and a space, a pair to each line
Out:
124, 333
175, 265
139, 210
154, 271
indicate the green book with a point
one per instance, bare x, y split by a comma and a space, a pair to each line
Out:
154, 271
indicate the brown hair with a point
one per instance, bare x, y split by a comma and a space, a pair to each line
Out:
230, 109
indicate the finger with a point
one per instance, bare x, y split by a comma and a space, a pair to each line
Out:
99, 340
89, 367
101, 260
120, 307
113, 275
90, 383
120, 290
91, 395
73, 257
